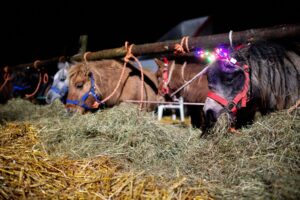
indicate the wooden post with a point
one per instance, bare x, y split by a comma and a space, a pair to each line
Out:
209, 41
282, 31
83, 44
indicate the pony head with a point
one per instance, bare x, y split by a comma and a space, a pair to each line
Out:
228, 86
59, 88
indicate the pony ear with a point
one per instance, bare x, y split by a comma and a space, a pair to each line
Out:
159, 63
60, 65
172, 64
67, 65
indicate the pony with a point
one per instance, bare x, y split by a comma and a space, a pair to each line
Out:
30, 83
59, 88
96, 83
171, 76
263, 76
5, 85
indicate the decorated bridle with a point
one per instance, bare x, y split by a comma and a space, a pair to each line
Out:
166, 75
61, 92
165, 88
91, 92
241, 98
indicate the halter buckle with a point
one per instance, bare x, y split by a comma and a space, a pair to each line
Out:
230, 106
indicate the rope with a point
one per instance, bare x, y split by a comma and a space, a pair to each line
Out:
179, 49
6, 78
188, 82
165, 102
45, 78
36, 89
294, 107
85, 56
35, 64
126, 59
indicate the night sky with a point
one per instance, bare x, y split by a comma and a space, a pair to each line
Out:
48, 29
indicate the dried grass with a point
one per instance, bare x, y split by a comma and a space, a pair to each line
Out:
260, 163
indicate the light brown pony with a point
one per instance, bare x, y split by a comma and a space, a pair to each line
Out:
92, 82
172, 76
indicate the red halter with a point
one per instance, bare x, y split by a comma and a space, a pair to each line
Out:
240, 97
165, 88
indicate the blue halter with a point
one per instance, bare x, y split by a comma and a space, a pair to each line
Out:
19, 88
61, 92
85, 96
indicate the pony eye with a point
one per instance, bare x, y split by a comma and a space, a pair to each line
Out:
79, 85
63, 78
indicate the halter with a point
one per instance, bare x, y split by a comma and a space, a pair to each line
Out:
165, 88
91, 92
240, 99
61, 92
19, 88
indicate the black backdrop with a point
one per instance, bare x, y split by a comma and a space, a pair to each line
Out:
44, 29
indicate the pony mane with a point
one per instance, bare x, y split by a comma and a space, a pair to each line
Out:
78, 68
275, 71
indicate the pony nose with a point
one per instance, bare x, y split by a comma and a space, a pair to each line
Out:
48, 98
210, 118
71, 109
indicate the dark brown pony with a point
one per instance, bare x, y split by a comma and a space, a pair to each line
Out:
92, 82
172, 76
263, 76
30, 83
5, 85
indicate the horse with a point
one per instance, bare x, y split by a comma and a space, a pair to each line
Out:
172, 76
5, 85
59, 88
30, 83
96, 83
263, 76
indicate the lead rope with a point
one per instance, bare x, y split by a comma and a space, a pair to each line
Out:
127, 57
6, 78
126, 60
39, 83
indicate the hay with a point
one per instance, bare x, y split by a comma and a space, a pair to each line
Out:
261, 163
221, 127
27, 172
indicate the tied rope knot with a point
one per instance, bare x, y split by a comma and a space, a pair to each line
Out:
127, 58
85, 56
180, 49
128, 52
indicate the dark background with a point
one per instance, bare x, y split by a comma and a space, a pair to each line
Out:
45, 29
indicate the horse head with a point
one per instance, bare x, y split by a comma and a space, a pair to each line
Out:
24, 80
263, 76
31, 83
228, 87
59, 88
167, 82
82, 94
